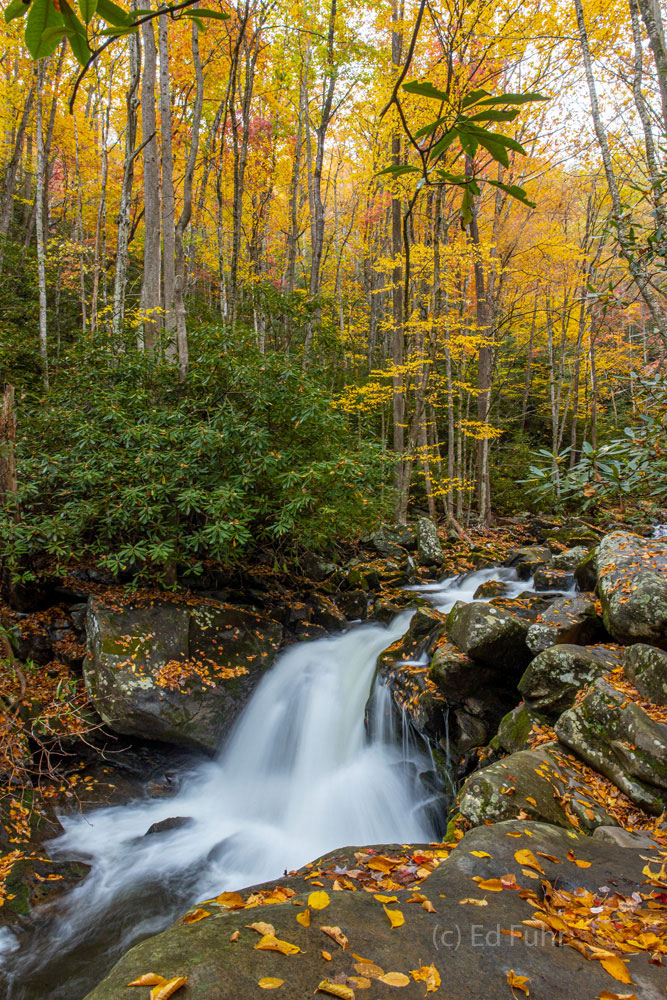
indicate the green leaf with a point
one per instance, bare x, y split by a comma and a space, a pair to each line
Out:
217, 15
17, 8
497, 137
87, 8
113, 14
514, 99
498, 152
494, 116
473, 97
466, 205
425, 89
427, 129
193, 17
41, 16
55, 34
469, 142
515, 191
445, 142
78, 38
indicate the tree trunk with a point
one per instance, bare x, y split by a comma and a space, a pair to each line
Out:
151, 277
168, 210
124, 209
11, 171
40, 195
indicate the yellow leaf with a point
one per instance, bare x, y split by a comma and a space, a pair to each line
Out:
326, 955
303, 918
318, 900
428, 906
360, 982
616, 968
492, 884
385, 899
336, 990
518, 982
474, 902
396, 918
427, 974
582, 864
271, 943
527, 858
234, 936
395, 979
481, 854
195, 916
369, 970
606, 995
270, 983
262, 928
169, 988
336, 934
149, 979
233, 900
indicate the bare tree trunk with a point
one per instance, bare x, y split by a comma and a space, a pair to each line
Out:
8, 479
293, 231
484, 370
11, 171
99, 262
151, 277
124, 209
652, 18
186, 212
168, 209
41, 228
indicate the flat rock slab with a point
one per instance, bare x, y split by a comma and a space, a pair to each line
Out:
463, 941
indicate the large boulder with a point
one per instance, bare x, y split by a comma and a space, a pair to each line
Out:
391, 540
632, 584
646, 667
585, 573
547, 578
552, 680
464, 940
531, 784
528, 559
178, 673
569, 559
489, 634
567, 619
620, 740
428, 543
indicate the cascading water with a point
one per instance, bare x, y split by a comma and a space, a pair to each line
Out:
300, 776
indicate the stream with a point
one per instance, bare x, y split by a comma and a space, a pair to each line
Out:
312, 765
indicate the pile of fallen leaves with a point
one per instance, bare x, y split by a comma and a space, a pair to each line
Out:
625, 687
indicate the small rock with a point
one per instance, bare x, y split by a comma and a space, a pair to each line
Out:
632, 584
570, 558
167, 825
492, 588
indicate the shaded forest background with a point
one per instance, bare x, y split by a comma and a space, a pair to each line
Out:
223, 328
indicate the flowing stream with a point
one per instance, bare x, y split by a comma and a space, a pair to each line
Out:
301, 775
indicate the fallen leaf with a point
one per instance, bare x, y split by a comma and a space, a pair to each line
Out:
326, 955
427, 974
361, 982
169, 988
262, 928
270, 983
318, 900
481, 854
271, 943
606, 995
616, 968
195, 916
336, 934
369, 969
335, 990
149, 979
395, 979
528, 859
235, 936
385, 899
428, 906
582, 864
303, 918
396, 918
492, 884
232, 900
518, 982
474, 902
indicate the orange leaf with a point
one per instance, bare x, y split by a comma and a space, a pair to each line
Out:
427, 974
233, 900
262, 928
234, 936
326, 955
480, 854
616, 968
518, 982
474, 902
149, 979
195, 916
270, 983
606, 995
336, 934
369, 970
271, 943
360, 982
527, 858
169, 988
492, 884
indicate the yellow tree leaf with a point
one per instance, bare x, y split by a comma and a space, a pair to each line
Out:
326, 955
395, 979
303, 918
518, 982
474, 902
271, 943
396, 918
528, 859
149, 979
232, 900
492, 884
318, 900
262, 928
427, 974
336, 990
270, 983
336, 934
169, 988
480, 854
361, 982
385, 899
194, 916
369, 970
616, 968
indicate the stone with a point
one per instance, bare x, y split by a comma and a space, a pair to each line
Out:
463, 942
425, 628
619, 740
530, 783
570, 558
567, 620
514, 728
528, 605
169, 825
526, 560
632, 585
585, 573
646, 667
354, 604
429, 547
176, 673
624, 838
490, 635
551, 681
31, 882
546, 578
393, 539
491, 588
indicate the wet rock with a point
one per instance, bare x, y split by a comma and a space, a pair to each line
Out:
31, 882
173, 672
624, 838
531, 783
326, 613
391, 540
618, 739
428, 542
552, 680
169, 825
585, 573
492, 588
490, 635
426, 626
646, 667
553, 579
567, 620
353, 603
514, 728
570, 558
463, 942
528, 606
528, 559
632, 584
